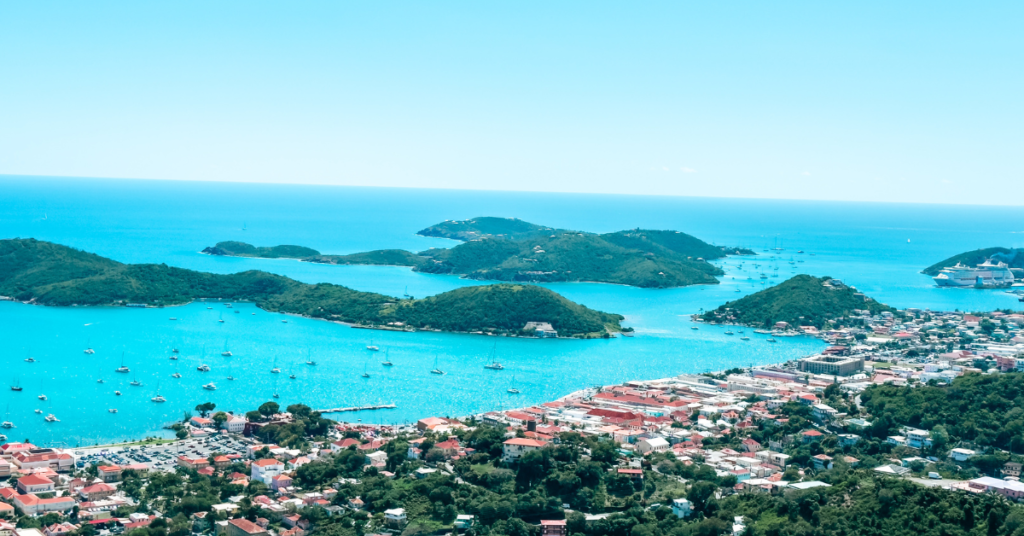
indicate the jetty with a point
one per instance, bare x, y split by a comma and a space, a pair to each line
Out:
358, 408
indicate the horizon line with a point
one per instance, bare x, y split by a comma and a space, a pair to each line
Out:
496, 190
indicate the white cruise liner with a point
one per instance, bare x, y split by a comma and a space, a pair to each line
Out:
985, 274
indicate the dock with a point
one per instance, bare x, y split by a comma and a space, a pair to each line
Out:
358, 408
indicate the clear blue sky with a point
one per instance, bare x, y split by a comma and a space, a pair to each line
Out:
882, 101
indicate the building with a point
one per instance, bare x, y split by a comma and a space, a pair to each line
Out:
29, 504
514, 448
823, 412
822, 461
244, 527
55, 459
541, 329
681, 508
234, 424
832, 365
650, 445
266, 469
464, 521
109, 473
193, 463
962, 455
395, 517
35, 484
552, 527
96, 492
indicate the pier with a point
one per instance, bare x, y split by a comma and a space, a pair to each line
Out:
358, 408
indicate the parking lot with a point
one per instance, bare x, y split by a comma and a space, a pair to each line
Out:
160, 457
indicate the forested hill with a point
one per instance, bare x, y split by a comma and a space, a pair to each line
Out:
802, 300
488, 227
241, 249
1013, 257
52, 274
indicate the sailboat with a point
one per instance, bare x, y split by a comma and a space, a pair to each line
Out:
365, 374
7, 422
291, 373
221, 319
88, 348
136, 382
210, 387
407, 296
436, 370
387, 362
371, 347
17, 386
122, 368
243, 226
51, 418
30, 359
176, 373
513, 389
231, 376
226, 352
494, 365
309, 359
275, 370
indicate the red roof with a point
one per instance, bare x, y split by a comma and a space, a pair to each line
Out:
812, 433
247, 526
34, 480
525, 442
267, 462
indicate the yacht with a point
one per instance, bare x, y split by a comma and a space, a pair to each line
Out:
210, 387
983, 275
30, 360
436, 370
17, 386
284, 321
41, 397
7, 424
112, 410
311, 363
176, 375
100, 380
122, 368
275, 395
275, 370
770, 339
694, 327
174, 350
744, 338
173, 318
231, 378
117, 393
512, 389
387, 362
209, 307
158, 399
39, 411
372, 348
292, 376
51, 418
136, 383
494, 364
203, 368
174, 358
729, 332
226, 353
90, 351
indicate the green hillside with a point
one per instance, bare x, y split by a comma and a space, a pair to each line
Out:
1013, 257
487, 227
802, 300
52, 274
241, 249
387, 257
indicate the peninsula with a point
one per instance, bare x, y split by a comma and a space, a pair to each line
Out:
502, 249
802, 300
45, 273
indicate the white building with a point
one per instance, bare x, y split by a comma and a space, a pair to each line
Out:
235, 424
514, 448
266, 469
681, 508
395, 517
653, 444
961, 455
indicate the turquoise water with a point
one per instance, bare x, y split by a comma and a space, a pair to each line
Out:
141, 221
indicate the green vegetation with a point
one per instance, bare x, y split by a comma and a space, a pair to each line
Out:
241, 249
984, 409
499, 249
385, 257
1012, 257
51, 274
802, 300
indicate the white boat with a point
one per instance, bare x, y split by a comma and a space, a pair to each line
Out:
7, 424
174, 358
729, 332
203, 368
158, 399
512, 388
122, 369
112, 410
51, 418
387, 361
39, 411
694, 327
275, 370
176, 375
173, 318
99, 380
984, 275
136, 383
226, 354
90, 351
41, 397
275, 395
30, 360
436, 370
372, 348
771, 340
117, 393
744, 338
210, 387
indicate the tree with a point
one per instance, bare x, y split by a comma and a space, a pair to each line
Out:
700, 493
269, 409
220, 418
205, 408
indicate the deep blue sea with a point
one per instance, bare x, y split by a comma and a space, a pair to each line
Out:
879, 248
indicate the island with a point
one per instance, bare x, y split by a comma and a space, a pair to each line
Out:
1013, 257
802, 300
504, 249
45, 273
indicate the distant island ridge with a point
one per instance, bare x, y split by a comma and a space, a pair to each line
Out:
45, 273
802, 300
504, 249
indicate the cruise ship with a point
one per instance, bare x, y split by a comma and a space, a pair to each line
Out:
985, 274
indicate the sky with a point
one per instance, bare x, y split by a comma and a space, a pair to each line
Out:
867, 101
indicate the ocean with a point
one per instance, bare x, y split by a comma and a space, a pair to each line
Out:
879, 248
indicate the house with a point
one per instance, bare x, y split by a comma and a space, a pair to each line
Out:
541, 329
343, 444
1011, 469
919, 439
244, 527
514, 448
464, 521
681, 508
552, 527
109, 473
279, 482
775, 458
55, 459
201, 422
60, 529
356, 503
652, 445
220, 462
395, 517
810, 436
962, 455
6, 511
5, 470
266, 469
96, 492
35, 484
822, 461
633, 474
823, 412
234, 424
192, 463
